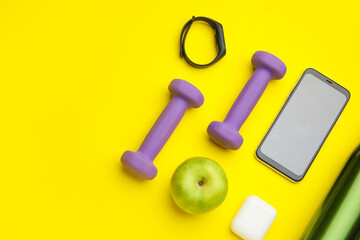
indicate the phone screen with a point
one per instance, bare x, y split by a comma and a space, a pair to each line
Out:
303, 124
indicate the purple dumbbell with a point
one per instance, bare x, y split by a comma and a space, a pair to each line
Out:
267, 67
184, 95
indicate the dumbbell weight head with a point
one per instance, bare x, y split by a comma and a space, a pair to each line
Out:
139, 164
224, 135
186, 91
271, 63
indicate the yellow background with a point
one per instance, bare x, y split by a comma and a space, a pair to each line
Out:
83, 81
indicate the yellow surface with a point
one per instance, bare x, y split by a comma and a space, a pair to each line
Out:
83, 81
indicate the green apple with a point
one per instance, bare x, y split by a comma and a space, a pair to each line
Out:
199, 185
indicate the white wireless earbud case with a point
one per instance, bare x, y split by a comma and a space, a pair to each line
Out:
253, 219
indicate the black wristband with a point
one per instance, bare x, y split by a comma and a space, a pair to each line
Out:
219, 35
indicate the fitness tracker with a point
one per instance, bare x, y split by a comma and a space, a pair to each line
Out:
219, 35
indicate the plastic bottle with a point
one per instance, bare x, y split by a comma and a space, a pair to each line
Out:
338, 217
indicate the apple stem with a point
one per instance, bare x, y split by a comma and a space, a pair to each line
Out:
201, 182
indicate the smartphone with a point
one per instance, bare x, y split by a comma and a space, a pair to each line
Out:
302, 125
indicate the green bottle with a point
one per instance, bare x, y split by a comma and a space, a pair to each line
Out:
338, 217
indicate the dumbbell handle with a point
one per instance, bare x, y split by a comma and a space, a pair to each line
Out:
248, 98
164, 127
